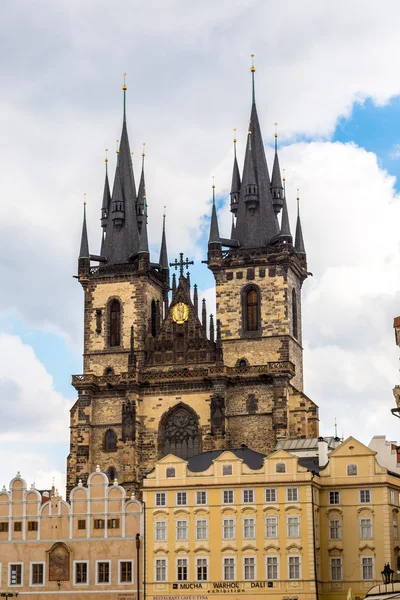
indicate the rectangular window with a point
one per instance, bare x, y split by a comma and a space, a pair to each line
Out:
248, 496
228, 526
81, 523
201, 569
125, 571
182, 569
113, 523
103, 571
351, 470
271, 527
201, 529
365, 496
392, 498
81, 572
37, 573
201, 497
316, 520
270, 494
161, 569
160, 531
272, 567
181, 498
15, 574
249, 567
335, 529
294, 567
182, 530
292, 494
293, 527
367, 567
365, 529
160, 499
226, 469
336, 569
32, 525
334, 497
17, 525
4, 526
249, 528
228, 497
99, 523
229, 569
395, 529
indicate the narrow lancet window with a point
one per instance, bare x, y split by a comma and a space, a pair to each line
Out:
110, 441
115, 323
252, 310
294, 314
153, 318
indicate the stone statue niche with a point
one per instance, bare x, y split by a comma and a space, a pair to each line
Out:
129, 421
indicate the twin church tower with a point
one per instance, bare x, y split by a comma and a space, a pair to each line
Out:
161, 377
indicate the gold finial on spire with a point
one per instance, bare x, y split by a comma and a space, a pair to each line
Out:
165, 211
252, 68
213, 185
144, 146
335, 423
106, 158
84, 199
284, 178
132, 158
276, 129
117, 150
234, 135
249, 130
124, 86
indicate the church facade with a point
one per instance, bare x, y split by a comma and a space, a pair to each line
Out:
162, 377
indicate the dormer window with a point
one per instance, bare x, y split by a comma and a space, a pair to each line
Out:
226, 469
170, 472
280, 467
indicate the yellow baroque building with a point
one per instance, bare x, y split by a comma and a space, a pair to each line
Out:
83, 549
240, 523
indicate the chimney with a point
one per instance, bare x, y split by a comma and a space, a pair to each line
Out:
322, 452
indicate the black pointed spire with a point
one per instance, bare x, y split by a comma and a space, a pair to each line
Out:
163, 250
276, 181
141, 207
84, 249
285, 225
212, 335
195, 300
105, 207
204, 315
214, 229
233, 228
235, 187
256, 222
299, 241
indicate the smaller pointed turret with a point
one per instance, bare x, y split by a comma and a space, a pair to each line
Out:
105, 207
204, 315
299, 241
276, 181
235, 187
285, 232
233, 228
212, 334
214, 238
195, 300
84, 249
163, 250
173, 283
249, 182
141, 207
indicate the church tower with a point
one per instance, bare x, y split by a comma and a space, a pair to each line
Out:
159, 375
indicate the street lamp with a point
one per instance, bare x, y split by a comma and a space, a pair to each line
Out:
387, 574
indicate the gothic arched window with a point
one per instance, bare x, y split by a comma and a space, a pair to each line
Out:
251, 307
251, 404
110, 441
294, 314
111, 474
179, 433
115, 323
153, 318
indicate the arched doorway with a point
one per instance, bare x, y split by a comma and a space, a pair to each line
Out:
179, 432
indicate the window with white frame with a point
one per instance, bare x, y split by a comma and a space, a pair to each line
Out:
367, 567
395, 529
365, 496
160, 499
334, 497
292, 494
125, 571
229, 568
271, 527
15, 571
365, 529
335, 529
351, 470
182, 529
37, 573
81, 572
270, 495
228, 529
201, 529
228, 496
161, 569
201, 569
272, 568
181, 498
249, 569
160, 531
294, 567
226, 469
182, 569
293, 527
249, 528
336, 569
103, 571
248, 496
201, 497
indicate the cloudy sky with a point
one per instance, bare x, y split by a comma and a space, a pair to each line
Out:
326, 72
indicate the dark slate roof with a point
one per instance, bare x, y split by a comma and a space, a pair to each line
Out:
201, 462
299, 241
84, 249
214, 229
311, 463
285, 225
235, 187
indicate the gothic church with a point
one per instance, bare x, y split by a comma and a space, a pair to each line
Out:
159, 375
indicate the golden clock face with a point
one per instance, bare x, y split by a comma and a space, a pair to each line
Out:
180, 313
